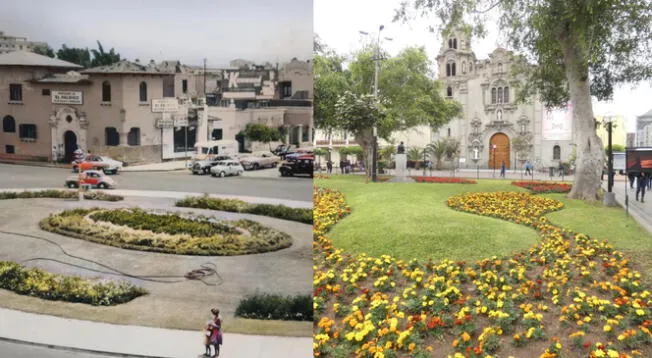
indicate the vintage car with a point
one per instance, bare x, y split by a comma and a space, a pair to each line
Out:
204, 166
257, 160
92, 178
227, 167
97, 162
298, 165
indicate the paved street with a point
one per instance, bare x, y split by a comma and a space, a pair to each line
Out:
19, 176
13, 350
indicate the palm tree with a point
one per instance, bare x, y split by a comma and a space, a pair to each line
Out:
415, 155
437, 150
387, 151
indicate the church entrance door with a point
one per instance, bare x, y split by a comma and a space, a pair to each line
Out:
499, 151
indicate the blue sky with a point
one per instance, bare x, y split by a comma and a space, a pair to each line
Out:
189, 30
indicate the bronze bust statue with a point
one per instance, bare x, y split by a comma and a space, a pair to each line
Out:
400, 149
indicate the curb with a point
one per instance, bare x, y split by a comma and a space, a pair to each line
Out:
72, 349
34, 164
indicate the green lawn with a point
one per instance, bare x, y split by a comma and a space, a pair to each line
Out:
411, 220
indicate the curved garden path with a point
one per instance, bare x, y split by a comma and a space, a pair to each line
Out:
182, 305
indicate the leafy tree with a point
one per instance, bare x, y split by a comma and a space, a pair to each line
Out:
437, 150
522, 146
103, 58
44, 50
615, 148
453, 147
330, 81
358, 114
79, 56
581, 48
257, 132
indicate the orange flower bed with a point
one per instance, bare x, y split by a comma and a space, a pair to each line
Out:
540, 187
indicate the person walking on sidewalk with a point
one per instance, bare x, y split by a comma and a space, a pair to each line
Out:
502, 169
632, 179
329, 167
528, 170
641, 185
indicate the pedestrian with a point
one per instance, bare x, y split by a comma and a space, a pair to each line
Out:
342, 166
329, 167
632, 179
641, 185
649, 181
561, 169
502, 169
528, 171
214, 334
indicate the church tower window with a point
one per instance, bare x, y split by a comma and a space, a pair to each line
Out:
453, 69
448, 70
500, 95
493, 95
455, 44
464, 67
506, 95
449, 92
450, 43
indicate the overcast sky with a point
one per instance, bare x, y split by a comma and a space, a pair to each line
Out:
188, 30
338, 23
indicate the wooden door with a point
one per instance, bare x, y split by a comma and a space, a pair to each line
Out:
501, 151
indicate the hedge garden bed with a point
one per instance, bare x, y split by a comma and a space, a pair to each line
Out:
238, 206
38, 283
172, 233
276, 307
59, 194
540, 187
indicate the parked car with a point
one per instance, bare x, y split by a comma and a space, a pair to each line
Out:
298, 165
283, 150
259, 160
98, 162
227, 167
93, 178
204, 166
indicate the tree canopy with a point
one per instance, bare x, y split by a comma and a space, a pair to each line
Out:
580, 48
81, 56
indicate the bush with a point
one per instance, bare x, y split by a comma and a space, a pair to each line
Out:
276, 307
59, 194
175, 236
45, 285
238, 206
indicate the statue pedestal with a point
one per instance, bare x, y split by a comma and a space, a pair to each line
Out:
401, 174
401, 165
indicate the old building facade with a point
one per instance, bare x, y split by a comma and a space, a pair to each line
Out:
12, 43
49, 107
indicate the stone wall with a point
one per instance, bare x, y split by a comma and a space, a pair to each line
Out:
131, 155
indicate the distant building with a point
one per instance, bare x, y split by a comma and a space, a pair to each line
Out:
13, 43
631, 140
618, 131
644, 130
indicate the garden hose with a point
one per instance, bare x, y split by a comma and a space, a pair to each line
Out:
205, 271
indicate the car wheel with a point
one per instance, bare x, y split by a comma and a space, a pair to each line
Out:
222, 174
240, 172
72, 185
102, 186
256, 166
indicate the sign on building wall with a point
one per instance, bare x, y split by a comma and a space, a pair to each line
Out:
67, 97
164, 123
165, 105
558, 124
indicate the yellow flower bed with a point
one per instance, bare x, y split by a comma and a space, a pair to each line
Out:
567, 296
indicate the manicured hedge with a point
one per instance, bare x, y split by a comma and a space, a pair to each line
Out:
59, 194
45, 285
276, 307
241, 237
238, 206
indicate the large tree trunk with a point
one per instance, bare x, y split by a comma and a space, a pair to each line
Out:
365, 140
589, 146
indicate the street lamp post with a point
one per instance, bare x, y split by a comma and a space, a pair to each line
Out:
609, 197
374, 159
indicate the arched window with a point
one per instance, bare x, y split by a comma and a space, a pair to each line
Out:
453, 69
448, 70
500, 95
450, 43
556, 153
455, 44
506, 95
143, 91
9, 124
500, 67
493, 95
449, 92
106, 91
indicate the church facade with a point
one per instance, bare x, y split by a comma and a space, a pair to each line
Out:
493, 128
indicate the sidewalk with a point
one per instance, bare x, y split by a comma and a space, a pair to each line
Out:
474, 174
157, 167
136, 341
641, 212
